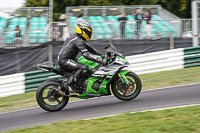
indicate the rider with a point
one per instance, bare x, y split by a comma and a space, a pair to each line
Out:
70, 49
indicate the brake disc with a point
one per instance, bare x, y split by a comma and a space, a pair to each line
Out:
51, 95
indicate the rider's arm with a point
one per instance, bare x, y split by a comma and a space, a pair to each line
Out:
87, 54
92, 50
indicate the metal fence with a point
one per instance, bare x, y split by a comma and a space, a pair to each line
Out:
133, 29
11, 17
24, 12
23, 41
175, 26
54, 31
117, 10
104, 29
59, 31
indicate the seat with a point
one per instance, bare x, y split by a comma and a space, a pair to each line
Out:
50, 66
62, 72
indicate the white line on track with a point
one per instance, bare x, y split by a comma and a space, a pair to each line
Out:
144, 111
171, 87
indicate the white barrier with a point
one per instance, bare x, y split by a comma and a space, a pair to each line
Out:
12, 89
155, 56
160, 70
157, 61
156, 64
12, 93
13, 78
12, 84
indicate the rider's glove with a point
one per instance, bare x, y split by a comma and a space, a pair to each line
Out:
103, 56
104, 62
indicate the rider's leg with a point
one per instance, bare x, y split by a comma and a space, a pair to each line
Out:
82, 70
71, 65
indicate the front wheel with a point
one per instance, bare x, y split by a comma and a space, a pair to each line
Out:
48, 98
124, 93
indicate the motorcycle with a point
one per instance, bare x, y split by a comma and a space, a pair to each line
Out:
99, 81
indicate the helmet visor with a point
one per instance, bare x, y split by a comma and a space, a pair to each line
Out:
89, 33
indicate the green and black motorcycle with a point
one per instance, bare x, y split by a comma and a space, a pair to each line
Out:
100, 81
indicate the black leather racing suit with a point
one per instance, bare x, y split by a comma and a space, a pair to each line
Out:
70, 49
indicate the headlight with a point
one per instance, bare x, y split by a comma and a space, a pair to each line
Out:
126, 63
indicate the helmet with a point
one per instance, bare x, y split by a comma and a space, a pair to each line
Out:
84, 31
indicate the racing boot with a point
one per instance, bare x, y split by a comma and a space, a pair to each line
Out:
68, 84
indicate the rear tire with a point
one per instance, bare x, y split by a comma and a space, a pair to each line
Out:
44, 100
134, 84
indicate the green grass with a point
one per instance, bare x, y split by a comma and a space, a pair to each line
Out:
171, 78
180, 120
21, 101
149, 81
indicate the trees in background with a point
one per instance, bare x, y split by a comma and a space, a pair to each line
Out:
181, 8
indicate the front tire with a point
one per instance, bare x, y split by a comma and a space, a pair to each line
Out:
48, 99
130, 93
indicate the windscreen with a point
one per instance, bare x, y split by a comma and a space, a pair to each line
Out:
112, 49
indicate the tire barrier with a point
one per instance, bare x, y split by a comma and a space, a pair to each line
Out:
140, 64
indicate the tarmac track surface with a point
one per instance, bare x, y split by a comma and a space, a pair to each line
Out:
158, 98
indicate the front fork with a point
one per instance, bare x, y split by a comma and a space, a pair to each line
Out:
123, 78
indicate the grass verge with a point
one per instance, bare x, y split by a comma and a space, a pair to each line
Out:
21, 101
180, 120
171, 78
149, 81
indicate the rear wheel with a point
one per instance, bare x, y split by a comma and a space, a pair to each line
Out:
124, 93
48, 98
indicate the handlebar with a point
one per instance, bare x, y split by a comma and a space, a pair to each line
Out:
110, 57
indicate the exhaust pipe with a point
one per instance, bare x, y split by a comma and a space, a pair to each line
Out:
60, 92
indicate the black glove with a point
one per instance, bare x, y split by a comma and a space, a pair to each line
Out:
103, 56
105, 62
